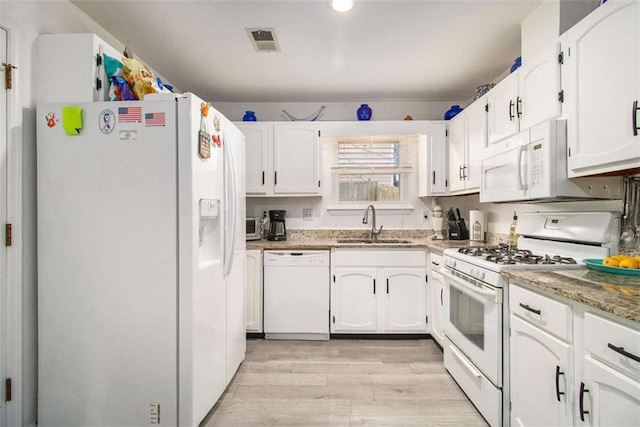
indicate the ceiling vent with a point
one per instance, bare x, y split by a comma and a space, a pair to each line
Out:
263, 39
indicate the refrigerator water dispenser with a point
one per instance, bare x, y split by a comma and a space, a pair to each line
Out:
208, 228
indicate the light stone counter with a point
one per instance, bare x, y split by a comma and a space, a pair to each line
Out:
326, 239
615, 294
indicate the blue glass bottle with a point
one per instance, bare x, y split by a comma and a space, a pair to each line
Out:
516, 64
364, 112
249, 116
452, 112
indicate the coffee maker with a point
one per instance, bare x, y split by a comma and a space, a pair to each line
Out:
277, 229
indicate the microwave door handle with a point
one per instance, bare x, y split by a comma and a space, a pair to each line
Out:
521, 185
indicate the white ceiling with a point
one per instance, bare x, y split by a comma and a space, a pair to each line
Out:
393, 50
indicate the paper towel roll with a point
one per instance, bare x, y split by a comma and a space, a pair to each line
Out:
477, 226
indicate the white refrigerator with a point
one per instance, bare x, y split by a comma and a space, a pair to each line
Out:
141, 255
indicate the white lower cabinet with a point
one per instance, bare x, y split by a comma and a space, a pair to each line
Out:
607, 397
608, 386
541, 367
353, 300
405, 307
592, 381
378, 291
253, 291
436, 298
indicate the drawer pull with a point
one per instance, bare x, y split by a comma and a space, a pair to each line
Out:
533, 310
583, 390
558, 392
511, 105
623, 352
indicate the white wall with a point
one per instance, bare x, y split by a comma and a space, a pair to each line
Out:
272, 111
25, 21
552, 18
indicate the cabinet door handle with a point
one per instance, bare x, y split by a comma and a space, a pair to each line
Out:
583, 390
275, 178
434, 178
262, 177
511, 105
464, 172
526, 307
635, 118
460, 173
374, 286
558, 392
623, 352
441, 299
387, 286
519, 107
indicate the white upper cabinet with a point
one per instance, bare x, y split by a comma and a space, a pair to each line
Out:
71, 68
526, 97
256, 137
432, 161
283, 159
296, 158
601, 83
539, 88
467, 140
502, 117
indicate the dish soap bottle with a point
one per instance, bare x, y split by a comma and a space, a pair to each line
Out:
513, 236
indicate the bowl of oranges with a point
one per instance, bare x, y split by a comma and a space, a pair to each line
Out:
627, 265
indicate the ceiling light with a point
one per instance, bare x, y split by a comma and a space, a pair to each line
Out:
342, 5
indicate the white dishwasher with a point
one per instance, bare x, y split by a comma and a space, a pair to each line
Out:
296, 295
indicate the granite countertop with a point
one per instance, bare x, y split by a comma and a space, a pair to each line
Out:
328, 239
615, 294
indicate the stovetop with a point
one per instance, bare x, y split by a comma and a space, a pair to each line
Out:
546, 240
502, 255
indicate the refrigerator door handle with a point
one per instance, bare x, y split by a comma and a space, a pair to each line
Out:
232, 224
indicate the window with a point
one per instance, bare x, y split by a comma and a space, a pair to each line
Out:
371, 169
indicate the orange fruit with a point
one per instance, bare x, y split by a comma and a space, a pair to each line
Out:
622, 256
637, 258
611, 261
629, 263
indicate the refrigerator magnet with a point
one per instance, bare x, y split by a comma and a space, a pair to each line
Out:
216, 123
217, 140
204, 146
72, 119
51, 119
107, 121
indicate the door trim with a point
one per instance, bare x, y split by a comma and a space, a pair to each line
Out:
14, 300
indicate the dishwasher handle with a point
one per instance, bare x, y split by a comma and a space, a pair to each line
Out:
310, 258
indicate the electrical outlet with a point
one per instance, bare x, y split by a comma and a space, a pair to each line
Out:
307, 214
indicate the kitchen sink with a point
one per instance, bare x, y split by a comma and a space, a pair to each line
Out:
369, 241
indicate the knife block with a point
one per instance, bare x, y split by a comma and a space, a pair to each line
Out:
458, 230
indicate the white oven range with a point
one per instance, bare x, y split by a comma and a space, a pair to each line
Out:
476, 325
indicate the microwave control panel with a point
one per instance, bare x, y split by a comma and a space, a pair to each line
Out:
537, 163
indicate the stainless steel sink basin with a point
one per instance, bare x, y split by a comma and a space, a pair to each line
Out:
369, 241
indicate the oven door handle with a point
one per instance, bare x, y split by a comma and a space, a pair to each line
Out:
493, 295
472, 369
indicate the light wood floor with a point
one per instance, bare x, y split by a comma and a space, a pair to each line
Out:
343, 383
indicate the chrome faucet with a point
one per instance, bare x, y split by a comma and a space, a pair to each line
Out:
365, 220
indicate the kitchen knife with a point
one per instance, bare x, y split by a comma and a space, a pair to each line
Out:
458, 212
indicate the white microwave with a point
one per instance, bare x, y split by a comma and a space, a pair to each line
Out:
532, 166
